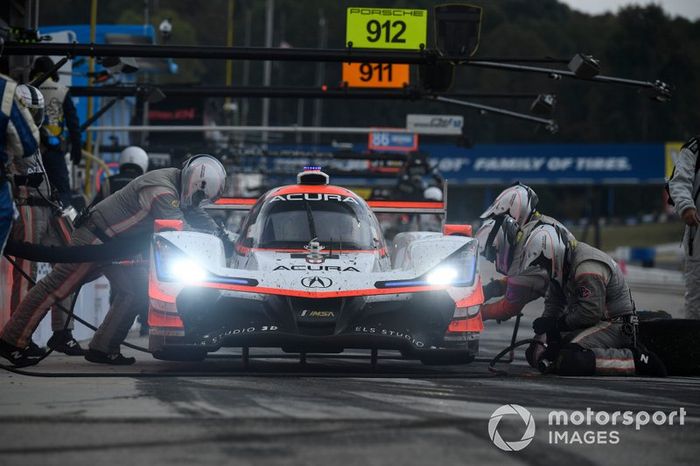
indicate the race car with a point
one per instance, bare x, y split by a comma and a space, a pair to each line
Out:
310, 272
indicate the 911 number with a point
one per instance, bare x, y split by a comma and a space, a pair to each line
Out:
382, 70
376, 30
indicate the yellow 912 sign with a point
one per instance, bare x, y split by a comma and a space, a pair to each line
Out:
386, 28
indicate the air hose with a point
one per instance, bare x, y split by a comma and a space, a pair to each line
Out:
499, 356
118, 248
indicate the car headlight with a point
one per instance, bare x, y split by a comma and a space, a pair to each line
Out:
442, 275
173, 265
458, 270
187, 271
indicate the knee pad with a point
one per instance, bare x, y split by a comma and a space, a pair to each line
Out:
574, 360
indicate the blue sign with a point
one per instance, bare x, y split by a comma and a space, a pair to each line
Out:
550, 163
538, 163
389, 141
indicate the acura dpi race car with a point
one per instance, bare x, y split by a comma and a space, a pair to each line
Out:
311, 272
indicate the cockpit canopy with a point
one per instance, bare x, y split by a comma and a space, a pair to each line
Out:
291, 220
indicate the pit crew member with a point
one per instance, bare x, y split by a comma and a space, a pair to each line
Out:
168, 193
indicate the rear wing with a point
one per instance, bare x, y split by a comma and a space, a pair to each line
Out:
407, 207
233, 203
378, 207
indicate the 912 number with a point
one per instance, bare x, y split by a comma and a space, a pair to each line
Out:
377, 29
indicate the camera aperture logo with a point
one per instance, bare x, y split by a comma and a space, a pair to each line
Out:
527, 418
582, 427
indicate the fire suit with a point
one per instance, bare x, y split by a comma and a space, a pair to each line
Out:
127, 213
521, 285
19, 138
60, 115
594, 310
116, 182
38, 223
684, 188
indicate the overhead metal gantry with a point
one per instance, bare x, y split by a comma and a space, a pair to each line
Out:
424, 57
407, 93
427, 57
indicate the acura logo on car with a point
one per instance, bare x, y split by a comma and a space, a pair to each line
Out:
316, 282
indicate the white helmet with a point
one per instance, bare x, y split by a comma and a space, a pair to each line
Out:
518, 201
433, 193
134, 156
203, 179
32, 99
497, 239
547, 246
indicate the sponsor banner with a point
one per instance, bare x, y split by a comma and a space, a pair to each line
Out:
435, 124
550, 163
507, 163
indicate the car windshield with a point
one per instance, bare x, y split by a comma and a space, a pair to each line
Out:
334, 224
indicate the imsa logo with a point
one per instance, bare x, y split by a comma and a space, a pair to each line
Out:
318, 314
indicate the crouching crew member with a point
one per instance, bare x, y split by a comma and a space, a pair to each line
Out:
589, 316
168, 193
520, 202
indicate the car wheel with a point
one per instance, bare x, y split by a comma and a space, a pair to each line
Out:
180, 355
446, 359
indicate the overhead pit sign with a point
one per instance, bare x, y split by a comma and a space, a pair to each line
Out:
386, 28
376, 75
435, 124
389, 141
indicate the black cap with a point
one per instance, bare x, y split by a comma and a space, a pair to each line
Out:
43, 65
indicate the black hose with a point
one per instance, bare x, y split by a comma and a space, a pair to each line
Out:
497, 358
118, 248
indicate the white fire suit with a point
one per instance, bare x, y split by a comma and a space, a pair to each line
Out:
522, 284
19, 138
684, 187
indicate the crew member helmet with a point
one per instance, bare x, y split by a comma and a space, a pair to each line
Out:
433, 193
32, 99
547, 246
519, 201
497, 239
203, 180
133, 157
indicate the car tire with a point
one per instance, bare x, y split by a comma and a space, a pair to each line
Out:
446, 359
189, 355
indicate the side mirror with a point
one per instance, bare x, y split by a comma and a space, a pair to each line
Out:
457, 230
160, 225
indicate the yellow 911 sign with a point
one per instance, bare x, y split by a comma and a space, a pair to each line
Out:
377, 75
386, 28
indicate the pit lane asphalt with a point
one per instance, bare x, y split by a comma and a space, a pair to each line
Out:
331, 411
